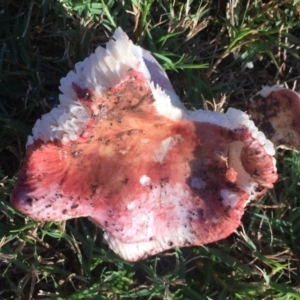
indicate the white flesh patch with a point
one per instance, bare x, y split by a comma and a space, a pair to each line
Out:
229, 198
131, 205
124, 151
145, 180
267, 90
165, 146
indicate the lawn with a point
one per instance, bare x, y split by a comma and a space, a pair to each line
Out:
217, 54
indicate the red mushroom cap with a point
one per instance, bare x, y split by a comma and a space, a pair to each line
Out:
121, 149
275, 111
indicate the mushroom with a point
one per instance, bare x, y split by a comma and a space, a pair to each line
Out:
275, 111
121, 149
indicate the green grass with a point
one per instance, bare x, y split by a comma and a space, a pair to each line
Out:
205, 47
